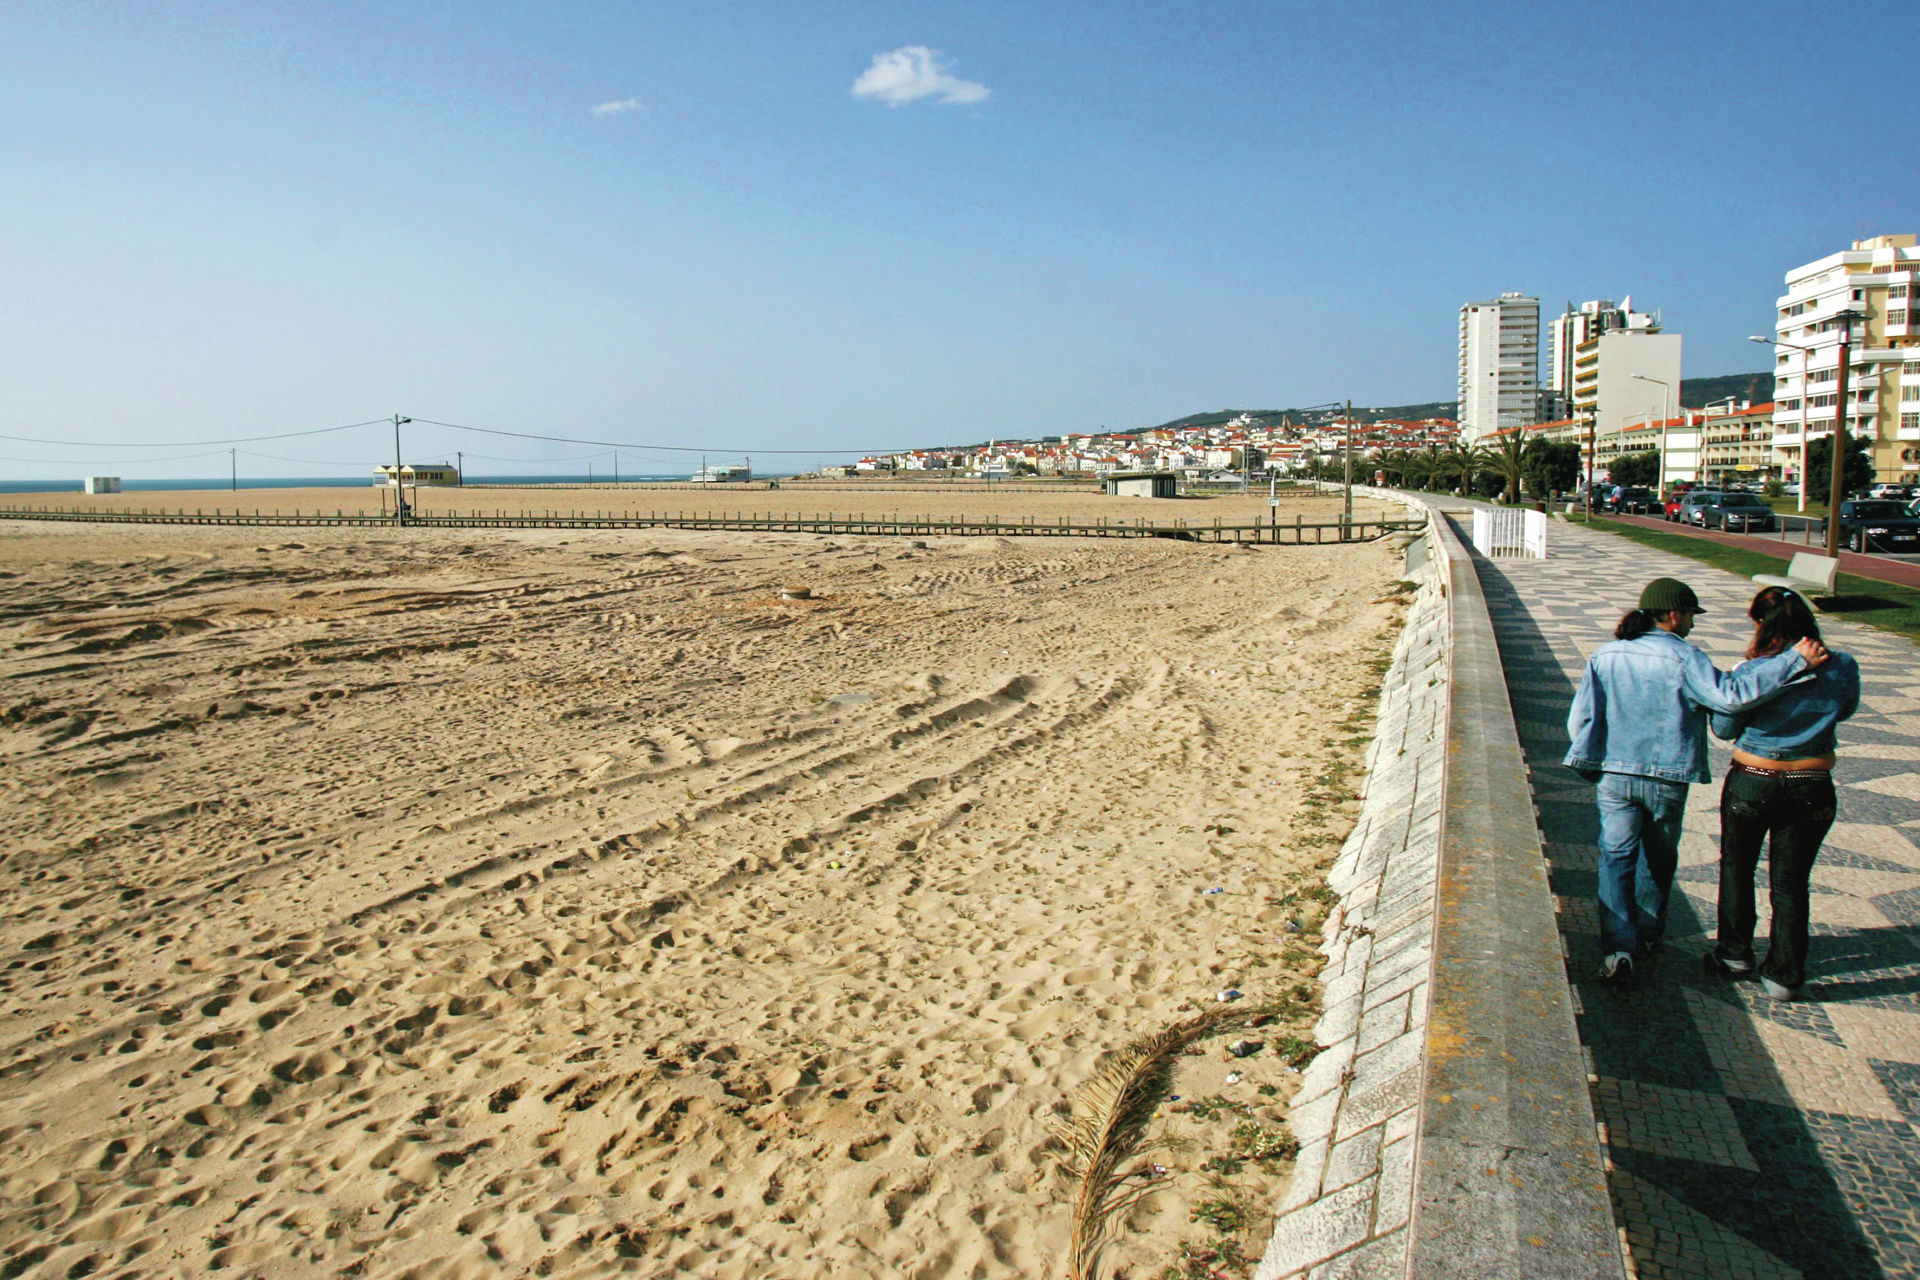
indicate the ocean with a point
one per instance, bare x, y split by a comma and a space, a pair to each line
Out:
311, 482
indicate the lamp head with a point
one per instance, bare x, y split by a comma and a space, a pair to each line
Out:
1754, 337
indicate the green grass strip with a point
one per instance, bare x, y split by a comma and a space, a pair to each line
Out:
1879, 604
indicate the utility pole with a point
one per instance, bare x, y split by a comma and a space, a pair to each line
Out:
233, 461
399, 489
616, 467
1593, 413
1347, 516
1837, 491
1666, 401
460, 467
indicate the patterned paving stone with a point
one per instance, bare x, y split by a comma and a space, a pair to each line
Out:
1748, 1137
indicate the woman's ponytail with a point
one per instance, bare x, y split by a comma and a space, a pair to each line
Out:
1634, 624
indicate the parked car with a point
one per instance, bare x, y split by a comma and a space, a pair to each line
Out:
1692, 506
1632, 499
1878, 524
1676, 492
1738, 512
1897, 491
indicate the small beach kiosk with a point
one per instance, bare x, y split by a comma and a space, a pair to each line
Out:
415, 475
1141, 484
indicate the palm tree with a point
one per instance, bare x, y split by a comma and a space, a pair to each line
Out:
1504, 458
1425, 467
1460, 463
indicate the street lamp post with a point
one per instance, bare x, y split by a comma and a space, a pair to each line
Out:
1666, 392
1837, 488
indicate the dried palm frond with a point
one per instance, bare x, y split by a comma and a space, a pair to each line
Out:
1106, 1132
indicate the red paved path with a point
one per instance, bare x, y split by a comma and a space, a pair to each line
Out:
1898, 572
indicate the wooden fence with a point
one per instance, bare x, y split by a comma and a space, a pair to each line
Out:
1295, 533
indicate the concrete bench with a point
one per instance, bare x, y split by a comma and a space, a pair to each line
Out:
1808, 574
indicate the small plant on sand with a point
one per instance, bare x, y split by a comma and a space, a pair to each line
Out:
1294, 1050
1256, 1141
1209, 1261
1213, 1104
1226, 1214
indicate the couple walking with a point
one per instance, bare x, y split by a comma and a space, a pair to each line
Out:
1639, 729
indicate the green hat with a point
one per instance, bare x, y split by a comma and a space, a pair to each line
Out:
1669, 595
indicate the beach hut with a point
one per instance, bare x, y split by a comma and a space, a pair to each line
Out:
1141, 484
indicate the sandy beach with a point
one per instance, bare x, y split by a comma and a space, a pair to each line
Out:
455, 904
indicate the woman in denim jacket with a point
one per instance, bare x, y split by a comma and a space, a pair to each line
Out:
1779, 789
1639, 728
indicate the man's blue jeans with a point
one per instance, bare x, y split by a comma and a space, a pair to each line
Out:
1639, 849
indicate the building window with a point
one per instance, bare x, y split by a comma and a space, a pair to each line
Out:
1823, 375
1896, 291
1911, 366
1821, 402
1910, 422
1909, 395
1788, 406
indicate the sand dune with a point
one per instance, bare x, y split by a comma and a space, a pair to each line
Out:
447, 905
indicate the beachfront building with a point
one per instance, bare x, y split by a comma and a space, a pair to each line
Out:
1877, 278
1618, 376
1575, 326
414, 474
1499, 365
1739, 444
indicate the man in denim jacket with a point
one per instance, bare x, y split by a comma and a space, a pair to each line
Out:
1639, 728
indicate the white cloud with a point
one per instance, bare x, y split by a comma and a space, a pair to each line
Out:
615, 108
913, 73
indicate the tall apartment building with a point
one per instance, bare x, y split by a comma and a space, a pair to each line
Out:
1616, 372
1878, 277
1579, 324
1499, 365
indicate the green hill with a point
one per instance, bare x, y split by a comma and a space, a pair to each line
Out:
1697, 393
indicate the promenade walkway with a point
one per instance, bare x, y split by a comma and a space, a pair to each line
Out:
1746, 1138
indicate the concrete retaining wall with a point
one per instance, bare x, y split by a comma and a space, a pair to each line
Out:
1445, 1128
1357, 1113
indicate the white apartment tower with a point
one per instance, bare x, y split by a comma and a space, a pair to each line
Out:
1581, 324
1499, 365
1880, 279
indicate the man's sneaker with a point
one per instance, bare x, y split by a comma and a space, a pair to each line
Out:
1617, 967
1731, 970
1777, 992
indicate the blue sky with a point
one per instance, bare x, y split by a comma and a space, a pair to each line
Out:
225, 220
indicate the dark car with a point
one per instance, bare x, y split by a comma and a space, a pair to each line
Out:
1738, 512
1693, 505
1632, 499
1878, 524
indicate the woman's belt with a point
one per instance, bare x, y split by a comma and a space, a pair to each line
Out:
1758, 772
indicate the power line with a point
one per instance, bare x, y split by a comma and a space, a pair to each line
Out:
618, 444
110, 462
188, 444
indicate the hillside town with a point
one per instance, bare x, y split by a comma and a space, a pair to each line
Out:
1244, 442
1611, 389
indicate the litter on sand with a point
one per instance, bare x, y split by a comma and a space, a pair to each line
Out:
1231, 993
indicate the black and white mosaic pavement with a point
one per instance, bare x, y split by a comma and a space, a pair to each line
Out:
1746, 1137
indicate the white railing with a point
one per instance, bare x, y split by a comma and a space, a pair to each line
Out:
1509, 531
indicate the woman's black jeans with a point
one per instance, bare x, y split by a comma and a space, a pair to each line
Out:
1795, 810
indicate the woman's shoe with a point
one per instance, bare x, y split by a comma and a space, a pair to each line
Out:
1731, 970
1777, 992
